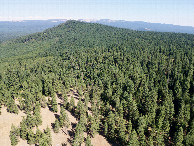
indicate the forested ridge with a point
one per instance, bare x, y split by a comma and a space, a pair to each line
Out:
139, 84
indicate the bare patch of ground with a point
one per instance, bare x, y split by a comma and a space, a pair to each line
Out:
99, 140
6, 120
48, 117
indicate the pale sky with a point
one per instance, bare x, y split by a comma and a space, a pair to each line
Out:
178, 12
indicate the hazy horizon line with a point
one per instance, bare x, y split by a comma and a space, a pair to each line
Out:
85, 19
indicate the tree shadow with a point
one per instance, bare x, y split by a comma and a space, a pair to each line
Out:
57, 116
53, 125
89, 109
50, 107
76, 94
69, 140
76, 97
59, 96
110, 141
70, 133
64, 144
60, 104
73, 125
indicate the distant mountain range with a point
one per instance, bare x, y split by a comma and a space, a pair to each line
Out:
144, 26
28, 25
13, 29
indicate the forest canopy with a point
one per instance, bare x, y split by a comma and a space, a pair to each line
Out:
139, 84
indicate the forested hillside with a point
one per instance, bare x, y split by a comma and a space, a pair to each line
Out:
134, 88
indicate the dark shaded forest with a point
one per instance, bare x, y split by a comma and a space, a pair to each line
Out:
139, 84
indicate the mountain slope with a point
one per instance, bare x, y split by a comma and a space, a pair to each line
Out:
75, 34
132, 87
10, 30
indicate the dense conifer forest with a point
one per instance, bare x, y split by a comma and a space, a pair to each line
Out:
139, 84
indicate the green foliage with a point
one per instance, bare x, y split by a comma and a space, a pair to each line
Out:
14, 133
63, 118
93, 126
54, 104
38, 136
133, 140
79, 131
56, 126
23, 130
37, 116
139, 84
65, 100
11, 106
45, 139
178, 139
48, 133
88, 141
71, 104
141, 126
31, 137
105, 128
80, 109
30, 121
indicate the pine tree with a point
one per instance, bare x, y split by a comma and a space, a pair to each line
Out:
37, 116
142, 124
122, 130
63, 118
133, 112
71, 104
133, 140
11, 106
112, 130
48, 136
38, 119
65, 100
105, 128
129, 127
111, 125
78, 108
83, 122
76, 140
86, 99
54, 104
189, 140
79, 137
94, 126
14, 133
88, 141
23, 129
160, 138
38, 136
178, 139
31, 137
150, 141
44, 140
30, 120
56, 126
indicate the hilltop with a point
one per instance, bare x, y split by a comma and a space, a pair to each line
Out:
15, 29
